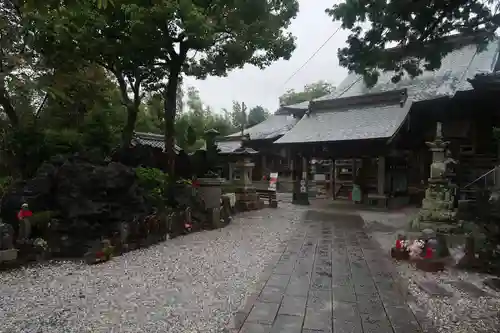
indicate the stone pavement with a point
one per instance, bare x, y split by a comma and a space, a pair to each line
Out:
330, 278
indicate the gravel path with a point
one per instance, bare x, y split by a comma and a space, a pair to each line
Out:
189, 284
460, 313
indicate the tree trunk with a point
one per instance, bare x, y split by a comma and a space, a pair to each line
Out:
8, 108
128, 130
170, 105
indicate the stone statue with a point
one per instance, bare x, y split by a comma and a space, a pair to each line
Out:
439, 130
7, 250
23, 217
437, 209
6, 236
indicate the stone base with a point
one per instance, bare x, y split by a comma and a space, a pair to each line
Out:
439, 227
437, 205
301, 199
214, 216
427, 265
248, 199
8, 255
400, 255
244, 206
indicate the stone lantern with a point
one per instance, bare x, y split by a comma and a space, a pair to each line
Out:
211, 183
246, 195
437, 210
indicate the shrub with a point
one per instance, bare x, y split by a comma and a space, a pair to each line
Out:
154, 182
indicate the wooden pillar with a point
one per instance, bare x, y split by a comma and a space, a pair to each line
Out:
332, 177
381, 176
231, 167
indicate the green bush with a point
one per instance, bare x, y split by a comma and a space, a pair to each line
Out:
154, 182
42, 219
5, 182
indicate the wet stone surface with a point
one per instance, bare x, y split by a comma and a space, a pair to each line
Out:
331, 278
433, 288
468, 288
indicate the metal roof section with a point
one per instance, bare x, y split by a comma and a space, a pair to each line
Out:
356, 112
228, 147
153, 140
372, 116
271, 128
299, 106
245, 151
486, 82
456, 68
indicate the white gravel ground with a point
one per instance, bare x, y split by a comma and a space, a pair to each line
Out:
460, 313
188, 284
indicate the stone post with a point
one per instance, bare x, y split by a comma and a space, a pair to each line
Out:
381, 176
301, 195
437, 210
246, 195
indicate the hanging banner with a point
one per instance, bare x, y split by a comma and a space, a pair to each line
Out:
273, 180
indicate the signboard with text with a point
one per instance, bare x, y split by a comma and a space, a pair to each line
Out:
273, 180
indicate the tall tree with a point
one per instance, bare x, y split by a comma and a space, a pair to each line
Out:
111, 38
196, 120
256, 115
16, 59
239, 115
417, 29
221, 36
311, 91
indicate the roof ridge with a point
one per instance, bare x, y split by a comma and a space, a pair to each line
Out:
390, 97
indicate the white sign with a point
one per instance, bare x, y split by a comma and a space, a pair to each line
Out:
273, 180
320, 177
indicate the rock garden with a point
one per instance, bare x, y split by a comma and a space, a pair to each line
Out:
79, 207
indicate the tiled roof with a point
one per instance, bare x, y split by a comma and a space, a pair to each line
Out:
301, 106
369, 121
227, 147
489, 82
350, 122
153, 140
271, 128
456, 68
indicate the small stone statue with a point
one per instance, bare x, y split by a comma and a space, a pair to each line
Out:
416, 248
6, 236
400, 250
23, 216
101, 251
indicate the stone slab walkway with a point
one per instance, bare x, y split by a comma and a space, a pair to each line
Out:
330, 278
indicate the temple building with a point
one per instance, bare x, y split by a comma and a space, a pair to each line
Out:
377, 135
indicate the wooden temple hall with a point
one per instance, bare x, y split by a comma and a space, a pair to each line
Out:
377, 137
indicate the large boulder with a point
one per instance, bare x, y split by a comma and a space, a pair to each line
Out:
90, 200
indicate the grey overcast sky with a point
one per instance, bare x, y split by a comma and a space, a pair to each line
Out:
312, 27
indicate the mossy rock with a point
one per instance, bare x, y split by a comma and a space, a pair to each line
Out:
42, 219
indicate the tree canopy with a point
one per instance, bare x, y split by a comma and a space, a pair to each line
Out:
415, 28
76, 73
256, 115
242, 118
147, 47
310, 91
